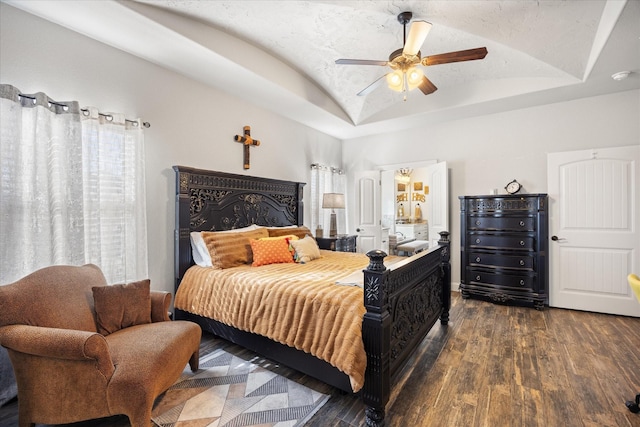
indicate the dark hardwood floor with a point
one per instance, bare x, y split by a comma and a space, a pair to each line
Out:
494, 365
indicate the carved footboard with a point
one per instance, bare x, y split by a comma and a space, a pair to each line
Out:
402, 306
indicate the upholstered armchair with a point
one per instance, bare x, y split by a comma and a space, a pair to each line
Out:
81, 349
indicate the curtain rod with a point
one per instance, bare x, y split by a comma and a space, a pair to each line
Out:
325, 167
109, 117
85, 111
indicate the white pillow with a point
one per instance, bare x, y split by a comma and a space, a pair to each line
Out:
199, 250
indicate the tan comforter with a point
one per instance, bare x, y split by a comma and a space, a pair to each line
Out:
295, 304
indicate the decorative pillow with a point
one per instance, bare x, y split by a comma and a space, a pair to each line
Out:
306, 249
120, 306
287, 238
300, 231
270, 251
231, 249
199, 250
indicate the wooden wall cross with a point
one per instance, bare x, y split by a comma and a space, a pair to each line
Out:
248, 142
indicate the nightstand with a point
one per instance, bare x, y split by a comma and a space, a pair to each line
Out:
340, 243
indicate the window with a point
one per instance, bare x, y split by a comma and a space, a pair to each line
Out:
71, 188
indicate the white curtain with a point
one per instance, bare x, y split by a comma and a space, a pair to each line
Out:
71, 188
326, 179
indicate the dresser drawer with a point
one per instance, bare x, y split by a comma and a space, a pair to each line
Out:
507, 280
505, 204
501, 223
490, 241
480, 259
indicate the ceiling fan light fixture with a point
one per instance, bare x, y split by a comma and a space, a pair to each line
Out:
414, 77
395, 80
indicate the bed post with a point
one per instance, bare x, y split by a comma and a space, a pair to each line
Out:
182, 251
376, 334
446, 278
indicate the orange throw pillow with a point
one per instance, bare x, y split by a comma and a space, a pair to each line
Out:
270, 251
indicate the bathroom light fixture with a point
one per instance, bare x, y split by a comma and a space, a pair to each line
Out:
404, 174
620, 75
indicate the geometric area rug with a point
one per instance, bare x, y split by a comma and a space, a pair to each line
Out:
228, 391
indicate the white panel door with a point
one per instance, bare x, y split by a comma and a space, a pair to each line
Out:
437, 201
594, 224
368, 226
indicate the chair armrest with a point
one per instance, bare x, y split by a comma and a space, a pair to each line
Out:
160, 302
59, 343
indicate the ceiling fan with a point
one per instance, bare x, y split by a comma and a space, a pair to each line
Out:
405, 75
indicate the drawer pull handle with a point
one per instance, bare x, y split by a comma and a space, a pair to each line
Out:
478, 278
478, 222
521, 262
477, 240
521, 223
521, 242
521, 282
477, 259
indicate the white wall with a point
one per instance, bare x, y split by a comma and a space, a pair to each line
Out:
191, 124
487, 152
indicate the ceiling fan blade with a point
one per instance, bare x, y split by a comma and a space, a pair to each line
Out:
426, 86
367, 90
458, 56
360, 62
417, 35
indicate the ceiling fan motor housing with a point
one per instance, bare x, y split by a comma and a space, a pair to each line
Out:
399, 60
405, 17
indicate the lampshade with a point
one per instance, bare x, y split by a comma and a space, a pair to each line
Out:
414, 77
333, 201
395, 80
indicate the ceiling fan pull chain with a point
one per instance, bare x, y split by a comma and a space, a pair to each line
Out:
405, 85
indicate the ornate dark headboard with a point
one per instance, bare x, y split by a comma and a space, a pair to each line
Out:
216, 201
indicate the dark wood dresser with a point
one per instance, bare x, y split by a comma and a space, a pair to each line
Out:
340, 243
504, 248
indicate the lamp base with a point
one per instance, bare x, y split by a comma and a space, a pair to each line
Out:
333, 227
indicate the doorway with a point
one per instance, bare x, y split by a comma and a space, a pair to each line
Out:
594, 223
376, 207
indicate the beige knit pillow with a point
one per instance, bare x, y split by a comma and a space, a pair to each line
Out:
306, 249
231, 249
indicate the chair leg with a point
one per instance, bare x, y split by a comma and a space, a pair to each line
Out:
194, 361
634, 406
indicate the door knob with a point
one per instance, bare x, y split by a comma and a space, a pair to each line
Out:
358, 230
557, 239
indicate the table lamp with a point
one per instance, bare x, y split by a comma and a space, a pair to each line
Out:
333, 201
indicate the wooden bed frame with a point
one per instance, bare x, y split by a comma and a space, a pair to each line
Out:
402, 304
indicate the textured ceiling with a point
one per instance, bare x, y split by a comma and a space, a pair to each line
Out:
281, 54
